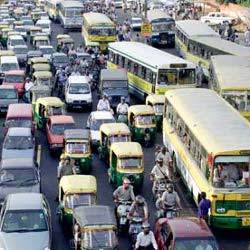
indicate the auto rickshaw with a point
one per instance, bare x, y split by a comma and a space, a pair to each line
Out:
59, 38
39, 67
40, 41
43, 78
96, 228
36, 60
38, 91
109, 133
33, 32
67, 41
75, 190
126, 159
77, 147
45, 107
4, 36
157, 102
142, 123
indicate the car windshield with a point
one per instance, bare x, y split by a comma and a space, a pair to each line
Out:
195, 244
115, 84
99, 239
18, 177
43, 25
95, 124
144, 119
18, 142
131, 162
77, 147
119, 138
19, 122
158, 108
8, 94
55, 111
20, 29
24, 221
61, 59
231, 172
79, 89
28, 22
73, 13
58, 129
47, 51
9, 66
42, 42
14, 78
75, 200
15, 42
22, 50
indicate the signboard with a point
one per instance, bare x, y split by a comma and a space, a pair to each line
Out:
146, 29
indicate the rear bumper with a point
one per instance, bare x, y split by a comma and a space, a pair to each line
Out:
227, 222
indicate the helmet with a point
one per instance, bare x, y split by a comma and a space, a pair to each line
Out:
170, 187
139, 199
145, 225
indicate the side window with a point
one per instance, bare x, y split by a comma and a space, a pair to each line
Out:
114, 159
136, 69
148, 76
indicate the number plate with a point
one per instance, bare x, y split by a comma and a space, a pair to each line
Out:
245, 222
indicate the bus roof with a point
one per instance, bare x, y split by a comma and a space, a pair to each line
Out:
194, 28
93, 18
232, 78
71, 4
217, 125
223, 45
158, 14
154, 58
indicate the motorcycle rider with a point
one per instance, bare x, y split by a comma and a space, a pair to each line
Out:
159, 172
103, 104
122, 107
146, 239
139, 208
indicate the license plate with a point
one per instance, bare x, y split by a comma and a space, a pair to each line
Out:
164, 42
245, 222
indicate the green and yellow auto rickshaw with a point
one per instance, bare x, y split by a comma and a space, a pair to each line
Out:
77, 147
43, 78
95, 227
75, 190
38, 91
126, 159
142, 123
109, 133
45, 107
59, 38
157, 102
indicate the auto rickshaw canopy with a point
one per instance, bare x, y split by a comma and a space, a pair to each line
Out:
62, 36
7, 53
77, 134
126, 149
141, 110
94, 216
155, 99
73, 184
50, 101
39, 59
41, 67
42, 74
115, 129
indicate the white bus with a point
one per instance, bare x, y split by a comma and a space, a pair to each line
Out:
70, 14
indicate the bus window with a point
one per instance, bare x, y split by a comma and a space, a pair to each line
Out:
186, 76
168, 77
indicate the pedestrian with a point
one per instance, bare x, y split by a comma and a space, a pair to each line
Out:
199, 74
65, 169
203, 207
27, 86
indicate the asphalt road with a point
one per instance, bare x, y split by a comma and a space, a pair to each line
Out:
227, 240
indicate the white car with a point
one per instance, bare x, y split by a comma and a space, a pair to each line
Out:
136, 23
216, 18
15, 40
78, 92
95, 120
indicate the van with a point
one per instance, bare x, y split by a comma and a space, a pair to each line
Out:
45, 24
7, 63
78, 92
14, 40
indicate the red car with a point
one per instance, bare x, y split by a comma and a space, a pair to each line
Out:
188, 233
55, 130
16, 78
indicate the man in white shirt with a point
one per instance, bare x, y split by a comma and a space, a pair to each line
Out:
103, 104
122, 107
167, 161
28, 85
146, 239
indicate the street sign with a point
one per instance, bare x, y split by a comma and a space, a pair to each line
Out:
146, 29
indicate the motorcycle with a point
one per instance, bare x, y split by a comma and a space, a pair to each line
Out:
160, 187
135, 228
122, 118
122, 214
169, 213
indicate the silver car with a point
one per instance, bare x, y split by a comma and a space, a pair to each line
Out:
18, 177
18, 143
25, 222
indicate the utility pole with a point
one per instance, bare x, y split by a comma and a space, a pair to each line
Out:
145, 9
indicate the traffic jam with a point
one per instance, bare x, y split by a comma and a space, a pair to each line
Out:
124, 125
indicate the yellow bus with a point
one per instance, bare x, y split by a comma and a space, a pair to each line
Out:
230, 77
209, 141
197, 42
150, 70
98, 30
51, 8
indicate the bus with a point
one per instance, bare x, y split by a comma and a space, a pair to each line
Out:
150, 70
197, 42
52, 9
230, 77
162, 28
209, 142
70, 14
98, 30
